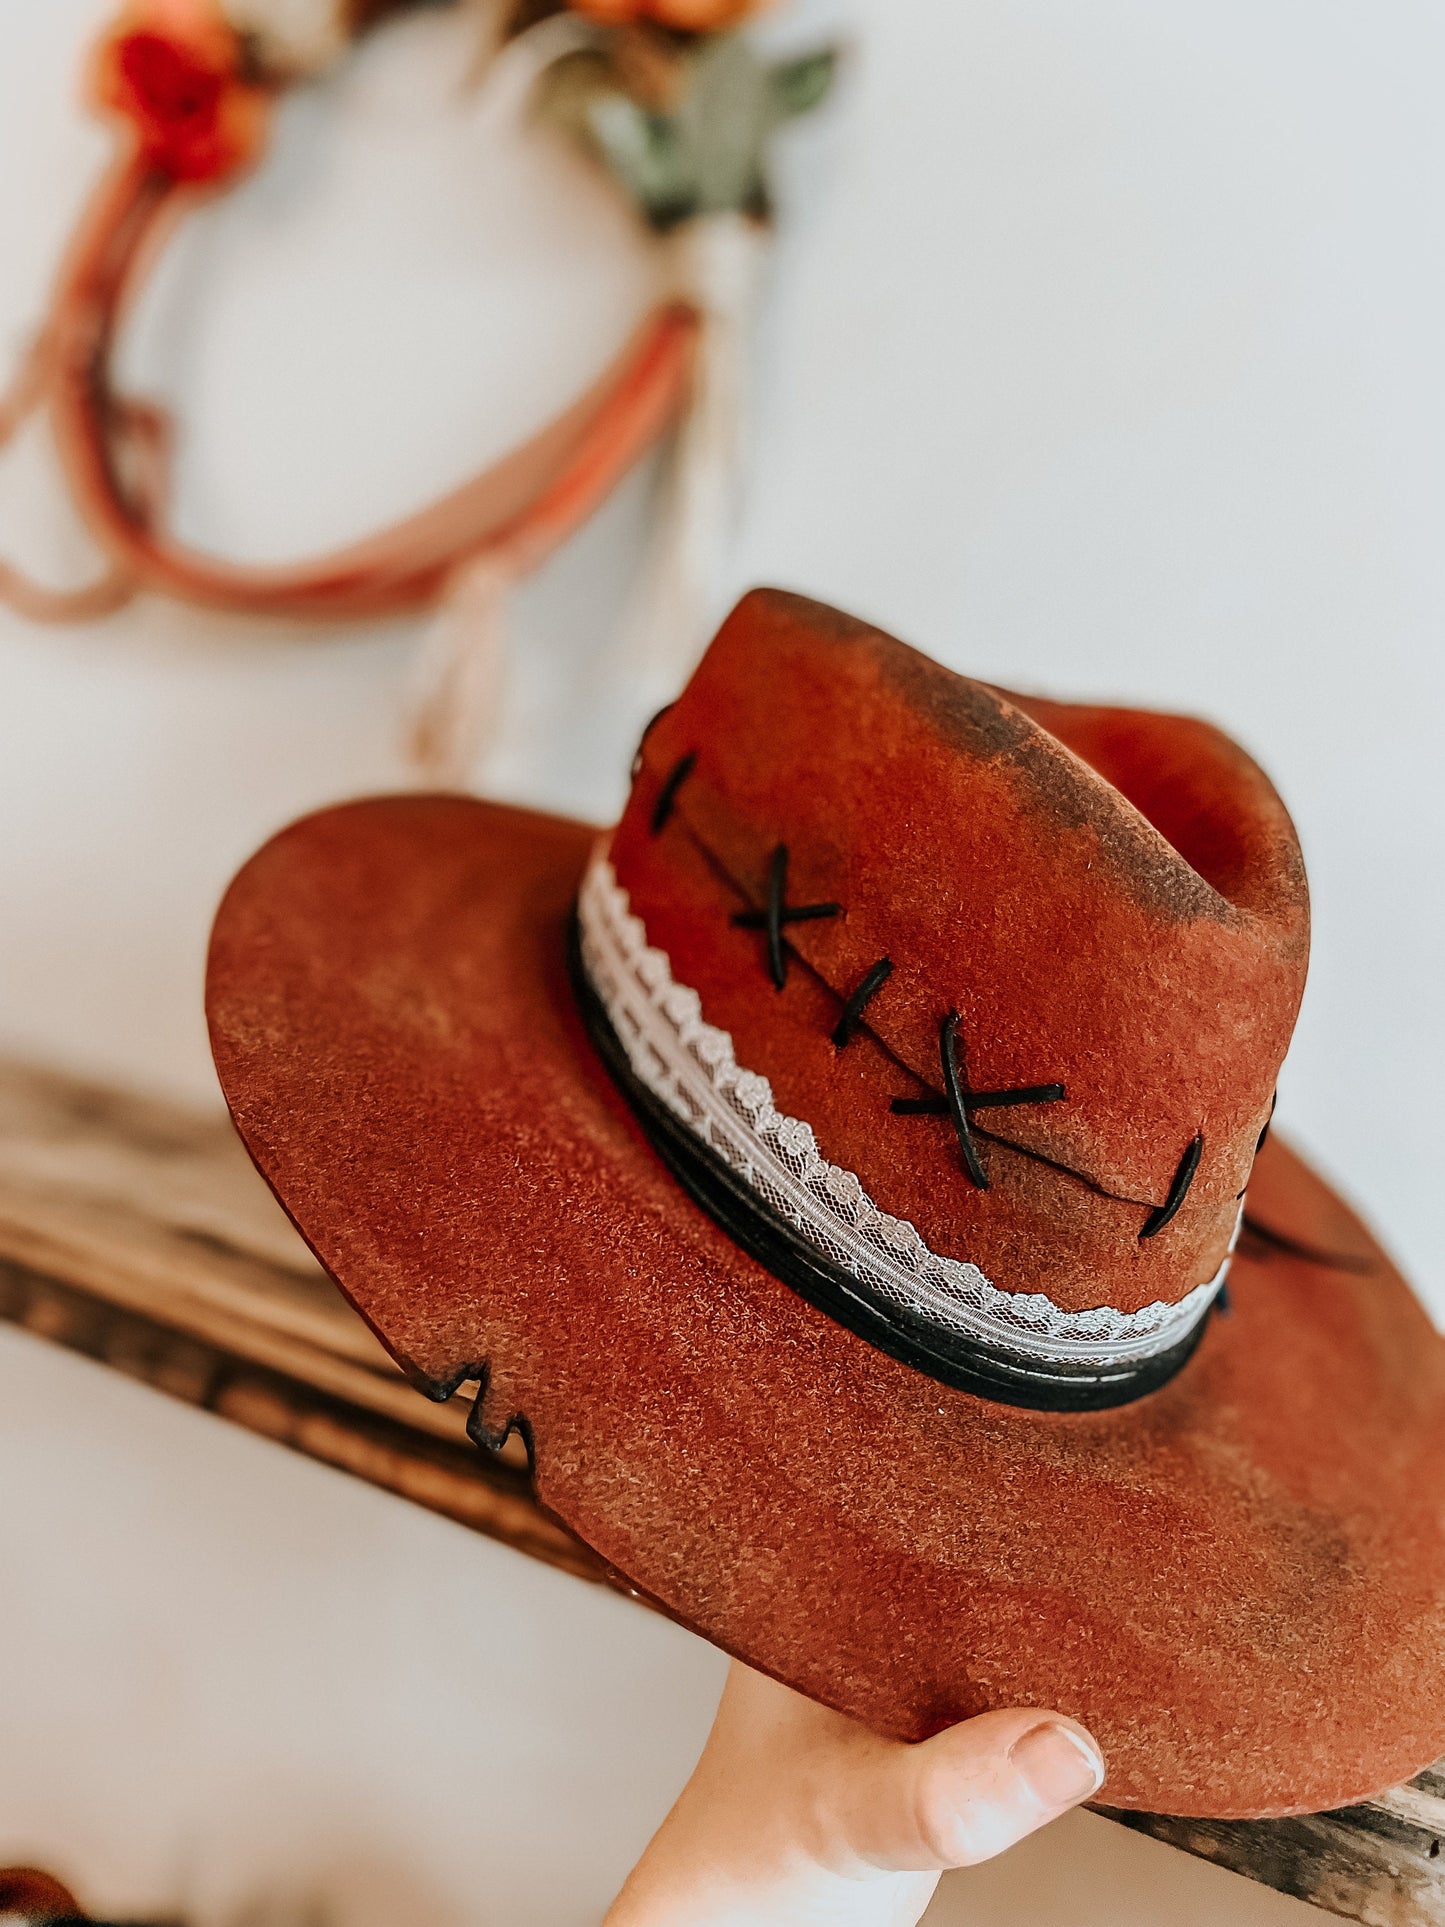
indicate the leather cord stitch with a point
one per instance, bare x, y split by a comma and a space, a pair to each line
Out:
977, 1100
1178, 1190
653, 720
667, 796
953, 1090
779, 914
866, 991
958, 1100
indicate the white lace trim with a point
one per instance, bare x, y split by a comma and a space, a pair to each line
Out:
690, 1066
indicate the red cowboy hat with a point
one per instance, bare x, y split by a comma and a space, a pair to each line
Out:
27, 1895
833, 1175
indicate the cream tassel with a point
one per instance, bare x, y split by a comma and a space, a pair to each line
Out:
718, 268
459, 673
457, 680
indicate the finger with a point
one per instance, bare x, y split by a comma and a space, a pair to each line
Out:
967, 1793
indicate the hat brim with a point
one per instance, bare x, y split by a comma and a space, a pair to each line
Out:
1238, 1582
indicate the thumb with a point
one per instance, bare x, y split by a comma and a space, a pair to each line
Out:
966, 1794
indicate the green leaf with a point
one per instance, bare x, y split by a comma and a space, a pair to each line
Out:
645, 153
803, 84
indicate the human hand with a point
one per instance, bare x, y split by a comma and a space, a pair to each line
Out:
798, 1815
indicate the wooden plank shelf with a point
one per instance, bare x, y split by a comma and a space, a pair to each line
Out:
138, 1234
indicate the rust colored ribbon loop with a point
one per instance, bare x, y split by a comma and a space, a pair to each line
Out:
33, 599
112, 451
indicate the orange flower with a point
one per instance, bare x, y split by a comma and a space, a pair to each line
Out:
684, 16
173, 70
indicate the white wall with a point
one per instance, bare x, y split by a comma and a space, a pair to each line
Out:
1101, 356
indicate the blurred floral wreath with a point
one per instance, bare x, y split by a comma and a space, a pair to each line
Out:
668, 95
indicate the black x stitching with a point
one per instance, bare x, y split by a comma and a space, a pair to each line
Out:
667, 796
779, 913
1178, 1189
958, 1100
652, 723
859, 1001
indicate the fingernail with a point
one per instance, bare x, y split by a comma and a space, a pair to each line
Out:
1060, 1766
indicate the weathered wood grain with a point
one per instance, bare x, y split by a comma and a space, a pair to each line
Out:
139, 1234
1382, 1863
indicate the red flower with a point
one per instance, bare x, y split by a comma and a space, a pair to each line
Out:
173, 70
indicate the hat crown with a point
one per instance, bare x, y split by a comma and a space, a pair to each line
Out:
1100, 899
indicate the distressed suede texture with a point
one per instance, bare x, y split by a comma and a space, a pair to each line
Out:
1238, 1582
